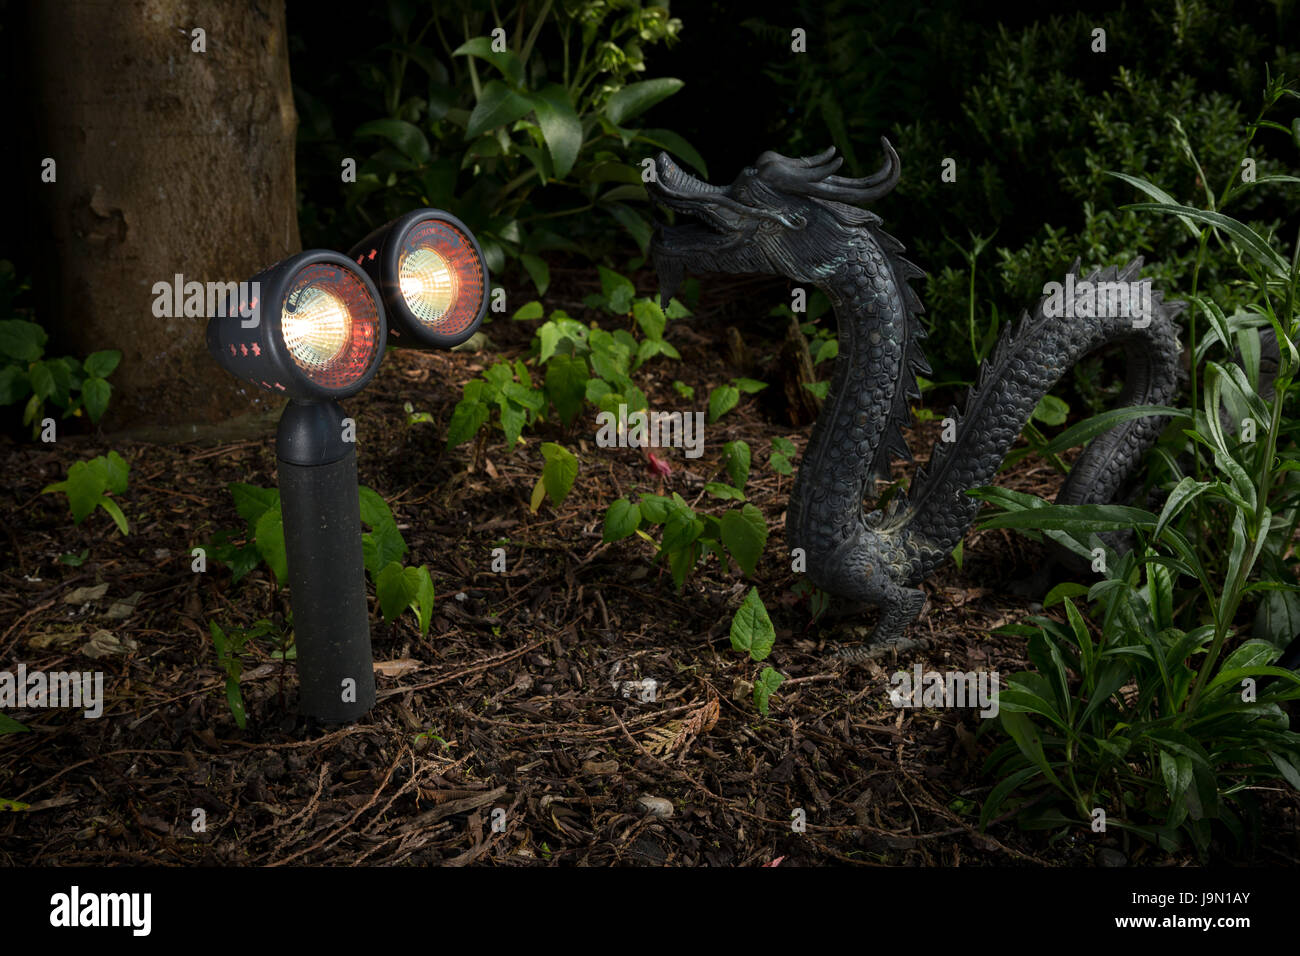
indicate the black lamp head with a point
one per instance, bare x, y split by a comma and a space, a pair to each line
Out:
431, 272
310, 327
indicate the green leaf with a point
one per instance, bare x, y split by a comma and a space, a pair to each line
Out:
751, 628
269, 537
24, 341
1064, 590
722, 400
114, 512
621, 520
467, 418
1159, 195
101, 364
1028, 739
252, 502
650, 318
768, 681
736, 458
84, 487
395, 590
384, 543
498, 106
566, 385
1074, 518
617, 289
632, 221
41, 375
406, 137
1246, 238
95, 393
422, 604
538, 271
744, 533
528, 311
560, 127
725, 492
635, 98
677, 146
115, 472
1051, 411
503, 60
559, 472
14, 384
654, 508
748, 385
10, 726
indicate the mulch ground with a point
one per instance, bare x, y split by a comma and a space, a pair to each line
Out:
516, 700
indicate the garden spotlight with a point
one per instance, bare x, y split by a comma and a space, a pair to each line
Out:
312, 328
432, 275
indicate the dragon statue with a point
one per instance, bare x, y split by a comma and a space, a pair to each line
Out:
796, 218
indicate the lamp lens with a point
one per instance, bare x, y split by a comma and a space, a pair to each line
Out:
330, 324
441, 277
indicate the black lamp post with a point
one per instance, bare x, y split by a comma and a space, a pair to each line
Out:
316, 334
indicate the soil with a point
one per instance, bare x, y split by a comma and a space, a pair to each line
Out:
514, 702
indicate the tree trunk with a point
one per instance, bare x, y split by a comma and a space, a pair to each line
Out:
168, 160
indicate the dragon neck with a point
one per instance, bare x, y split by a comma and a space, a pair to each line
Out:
860, 426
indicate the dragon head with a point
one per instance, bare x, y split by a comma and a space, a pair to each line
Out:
781, 216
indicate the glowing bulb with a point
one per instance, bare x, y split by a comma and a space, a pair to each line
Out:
429, 284
317, 327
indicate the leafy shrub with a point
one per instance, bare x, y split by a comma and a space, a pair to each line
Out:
1039, 120
27, 373
1166, 719
689, 537
515, 119
582, 364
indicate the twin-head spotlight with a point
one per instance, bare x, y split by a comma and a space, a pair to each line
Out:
313, 328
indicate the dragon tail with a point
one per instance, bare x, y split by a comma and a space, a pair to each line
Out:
1030, 358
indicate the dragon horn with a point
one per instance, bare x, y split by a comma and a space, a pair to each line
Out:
862, 190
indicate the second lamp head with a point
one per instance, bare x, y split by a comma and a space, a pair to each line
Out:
431, 274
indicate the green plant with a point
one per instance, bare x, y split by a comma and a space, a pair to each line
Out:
752, 633
89, 484
397, 587
511, 118
578, 364
689, 537
1167, 719
10, 726
558, 474
724, 398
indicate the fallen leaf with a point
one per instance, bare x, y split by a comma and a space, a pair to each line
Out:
123, 607
86, 595
107, 644
656, 806
397, 668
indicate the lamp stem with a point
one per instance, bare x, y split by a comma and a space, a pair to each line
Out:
327, 586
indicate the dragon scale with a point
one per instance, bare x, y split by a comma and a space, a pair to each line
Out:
794, 218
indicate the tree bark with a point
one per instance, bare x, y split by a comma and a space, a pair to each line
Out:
168, 160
